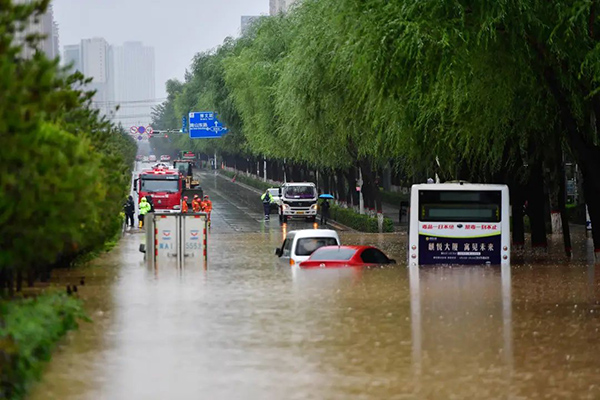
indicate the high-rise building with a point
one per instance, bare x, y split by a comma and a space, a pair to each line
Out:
46, 26
280, 6
134, 82
72, 56
247, 21
95, 64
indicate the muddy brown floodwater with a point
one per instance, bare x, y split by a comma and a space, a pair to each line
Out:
251, 328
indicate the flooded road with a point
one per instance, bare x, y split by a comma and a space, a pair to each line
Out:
251, 328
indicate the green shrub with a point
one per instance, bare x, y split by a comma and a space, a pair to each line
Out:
29, 330
360, 222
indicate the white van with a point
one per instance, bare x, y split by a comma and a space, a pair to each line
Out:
299, 245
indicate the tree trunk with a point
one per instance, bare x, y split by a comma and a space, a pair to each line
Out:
536, 206
517, 199
31, 277
19, 280
296, 174
562, 208
368, 187
324, 175
591, 192
352, 196
342, 194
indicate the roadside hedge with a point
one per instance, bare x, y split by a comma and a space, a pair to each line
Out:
30, 330
360, 222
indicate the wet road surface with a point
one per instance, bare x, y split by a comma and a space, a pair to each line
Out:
251, 328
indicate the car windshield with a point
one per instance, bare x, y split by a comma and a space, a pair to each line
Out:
160, 185
307, 246
300, 192
333, 254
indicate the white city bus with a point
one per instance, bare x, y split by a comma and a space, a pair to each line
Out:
459, 224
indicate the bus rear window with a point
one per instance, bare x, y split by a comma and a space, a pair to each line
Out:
460, 206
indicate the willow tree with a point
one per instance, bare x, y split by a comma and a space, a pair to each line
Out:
205, 90
164, 115
252, 77
484, 82
323, 120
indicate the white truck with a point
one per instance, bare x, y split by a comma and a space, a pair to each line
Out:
298, 200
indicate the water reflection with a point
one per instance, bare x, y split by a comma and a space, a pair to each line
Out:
461, 316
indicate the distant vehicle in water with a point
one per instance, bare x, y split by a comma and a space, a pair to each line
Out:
152, 158
299, 245
165, 157
459, 223
139, 157
145, 159
298, 200
346, 256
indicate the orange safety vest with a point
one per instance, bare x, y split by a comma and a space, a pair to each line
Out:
207, 206
184, 207
196, 206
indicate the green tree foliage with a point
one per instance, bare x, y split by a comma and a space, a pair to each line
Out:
64, 171
475, 87
164, 116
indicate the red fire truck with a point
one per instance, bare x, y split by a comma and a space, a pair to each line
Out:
166, 186
163, 184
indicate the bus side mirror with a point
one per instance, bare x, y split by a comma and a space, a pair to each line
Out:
135, 185
278, 252
142, 248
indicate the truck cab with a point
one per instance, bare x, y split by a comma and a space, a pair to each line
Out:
163, 184
298, 200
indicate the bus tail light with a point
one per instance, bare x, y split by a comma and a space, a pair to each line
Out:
292, 262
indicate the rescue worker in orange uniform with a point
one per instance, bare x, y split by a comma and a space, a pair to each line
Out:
197, 204
184, 206
207, 207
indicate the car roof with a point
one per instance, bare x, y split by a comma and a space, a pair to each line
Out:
306, 233
346, 247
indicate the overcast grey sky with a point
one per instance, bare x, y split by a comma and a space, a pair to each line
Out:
177, 29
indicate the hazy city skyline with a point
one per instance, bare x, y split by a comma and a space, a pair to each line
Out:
177, 29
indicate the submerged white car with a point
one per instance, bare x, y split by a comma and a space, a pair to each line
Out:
299, 245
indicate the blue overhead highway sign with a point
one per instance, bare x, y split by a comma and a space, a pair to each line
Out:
205, 125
